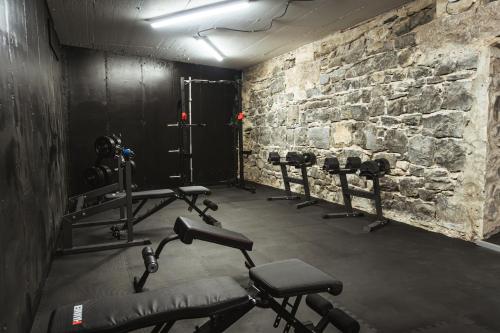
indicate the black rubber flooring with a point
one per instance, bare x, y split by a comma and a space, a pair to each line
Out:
397, 279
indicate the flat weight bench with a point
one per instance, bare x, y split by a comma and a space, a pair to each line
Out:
188, 194
220, 299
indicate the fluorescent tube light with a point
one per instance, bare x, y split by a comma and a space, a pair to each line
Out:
221, 7
214, 51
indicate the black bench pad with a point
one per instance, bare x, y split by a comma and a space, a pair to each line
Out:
188, 230
141, 195
197, 299
193, 190
153, 194
293, 277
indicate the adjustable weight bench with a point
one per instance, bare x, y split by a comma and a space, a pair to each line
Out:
220, 299
188, 194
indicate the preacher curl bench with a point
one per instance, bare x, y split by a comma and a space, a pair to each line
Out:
222, 300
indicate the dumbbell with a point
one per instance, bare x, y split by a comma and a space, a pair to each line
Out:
294, 158
94, 177
331, 165
107, 146
274, 158
353, 163
379, 168
309, 159
384, 165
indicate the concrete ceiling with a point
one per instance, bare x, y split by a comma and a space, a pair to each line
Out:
120, 26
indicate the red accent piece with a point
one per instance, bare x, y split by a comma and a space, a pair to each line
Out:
240, 116
77, 322
184, 116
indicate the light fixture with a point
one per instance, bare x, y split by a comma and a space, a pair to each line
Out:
214, 51
221, 7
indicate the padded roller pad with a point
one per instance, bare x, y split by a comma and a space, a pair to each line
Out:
141, 195
188, 230
198, 299
293, 277
194, 190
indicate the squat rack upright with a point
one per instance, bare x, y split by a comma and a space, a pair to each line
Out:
185, 122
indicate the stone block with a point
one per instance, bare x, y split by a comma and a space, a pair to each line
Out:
424, 100
324, 79
377, 107
405, 41
396, 141
412, 119
396, 107
416, 170
389, 184
319, 137
450, 153
342, 134
421, 150
409, 186
444, 124
457, 96
300, 136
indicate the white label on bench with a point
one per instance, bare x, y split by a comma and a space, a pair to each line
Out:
77, 315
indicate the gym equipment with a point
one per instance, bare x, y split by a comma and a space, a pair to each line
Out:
82, 208
298, 161
239, 154
221, 299
371, 170
185, 126
188, 194
121, 195
107, 146
102, 175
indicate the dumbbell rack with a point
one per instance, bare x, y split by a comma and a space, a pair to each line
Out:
287, 180
352, 166
83, 209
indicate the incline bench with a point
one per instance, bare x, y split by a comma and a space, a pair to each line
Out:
222, 300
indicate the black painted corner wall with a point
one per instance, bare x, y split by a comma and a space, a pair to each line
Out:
136, 97
32, 158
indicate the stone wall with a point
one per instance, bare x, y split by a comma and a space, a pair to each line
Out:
409, 86
492, 205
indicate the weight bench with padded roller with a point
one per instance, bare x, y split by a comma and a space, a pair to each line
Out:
187, 230
220, 299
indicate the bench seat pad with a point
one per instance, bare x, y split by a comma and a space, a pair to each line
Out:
189, 230
293, 277
141, 195
194, 190
198, 299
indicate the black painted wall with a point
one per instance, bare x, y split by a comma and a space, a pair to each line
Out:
137, 97
32, 158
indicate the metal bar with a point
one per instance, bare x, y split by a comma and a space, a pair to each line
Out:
305, 182
96, 223
190, 134
283, 313
104, 246
284, 173
98, 192
182, 163
296, 181
139, 207
92, 210
154, 209
130, 216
